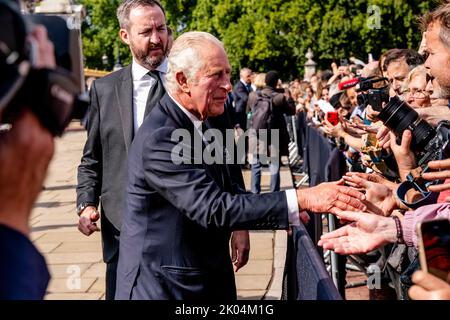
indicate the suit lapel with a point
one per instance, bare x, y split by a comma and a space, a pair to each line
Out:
183, 121
124, 95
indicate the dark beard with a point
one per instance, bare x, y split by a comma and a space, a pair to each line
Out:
149, 62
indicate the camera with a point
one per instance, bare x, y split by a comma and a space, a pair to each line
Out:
54, 95
427, 143
370, 95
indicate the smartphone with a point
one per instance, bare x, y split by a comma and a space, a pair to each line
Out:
333, 117
434, 247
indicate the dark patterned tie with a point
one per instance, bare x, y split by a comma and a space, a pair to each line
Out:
156, 92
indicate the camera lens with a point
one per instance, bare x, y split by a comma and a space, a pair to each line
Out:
399, 116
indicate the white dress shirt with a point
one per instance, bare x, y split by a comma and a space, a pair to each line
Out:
142, 83
291, 194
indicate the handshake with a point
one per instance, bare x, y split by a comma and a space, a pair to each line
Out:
331, 197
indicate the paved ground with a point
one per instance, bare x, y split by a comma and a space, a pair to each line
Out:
75, 260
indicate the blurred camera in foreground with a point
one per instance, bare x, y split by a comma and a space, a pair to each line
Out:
54, 95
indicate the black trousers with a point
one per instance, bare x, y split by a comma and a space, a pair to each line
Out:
111, 275
110, 241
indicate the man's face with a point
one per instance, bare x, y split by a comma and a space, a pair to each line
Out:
211, 85
247, 77
438, 61
396, 72
344, 70
147, 35
352, 96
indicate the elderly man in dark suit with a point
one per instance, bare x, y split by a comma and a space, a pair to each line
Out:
241, 90
182, 208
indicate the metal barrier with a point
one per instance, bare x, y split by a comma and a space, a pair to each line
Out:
305, 276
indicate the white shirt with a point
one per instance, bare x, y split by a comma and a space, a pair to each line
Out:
291, 194
142, 83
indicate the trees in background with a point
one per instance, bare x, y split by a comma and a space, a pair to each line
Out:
273, 34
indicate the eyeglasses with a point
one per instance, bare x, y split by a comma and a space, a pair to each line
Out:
416, 93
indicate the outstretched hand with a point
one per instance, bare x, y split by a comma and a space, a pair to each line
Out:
330, 197
372, 177
366, 233
444, 173
380, 199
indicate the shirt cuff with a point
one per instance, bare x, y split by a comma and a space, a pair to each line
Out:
293, 210
409, 235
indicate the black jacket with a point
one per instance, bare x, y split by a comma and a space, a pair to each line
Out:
102, 172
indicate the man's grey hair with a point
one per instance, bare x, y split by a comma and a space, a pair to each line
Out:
185, 56
123, 11
442, 15
244, 71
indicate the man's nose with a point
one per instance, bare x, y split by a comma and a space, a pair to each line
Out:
227, 85
154, 38
409, 98
429, 87
396, 86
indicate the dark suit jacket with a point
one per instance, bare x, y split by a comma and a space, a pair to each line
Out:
102, 172
240, 95
175, 237
23, 271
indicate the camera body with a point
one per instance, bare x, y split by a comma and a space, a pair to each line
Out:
54, 95
374, 97
368, 95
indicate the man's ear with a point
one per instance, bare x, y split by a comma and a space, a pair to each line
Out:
123, 33
182, 82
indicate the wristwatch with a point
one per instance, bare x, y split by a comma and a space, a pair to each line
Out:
83, 206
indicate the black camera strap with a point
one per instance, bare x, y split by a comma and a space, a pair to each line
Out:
427, 198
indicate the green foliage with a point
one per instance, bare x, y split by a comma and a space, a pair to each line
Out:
273, 34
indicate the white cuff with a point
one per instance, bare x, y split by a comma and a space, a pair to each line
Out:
293, 210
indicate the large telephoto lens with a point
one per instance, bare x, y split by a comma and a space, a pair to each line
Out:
398, 116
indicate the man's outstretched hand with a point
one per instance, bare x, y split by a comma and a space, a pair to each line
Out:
330, 197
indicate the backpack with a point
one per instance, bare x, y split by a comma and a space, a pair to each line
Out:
262, 112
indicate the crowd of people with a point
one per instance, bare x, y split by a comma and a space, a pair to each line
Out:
357, 106
167, 227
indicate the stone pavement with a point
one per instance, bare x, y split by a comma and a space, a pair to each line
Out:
75, 261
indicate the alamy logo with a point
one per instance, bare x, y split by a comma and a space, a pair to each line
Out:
74, 279
374, 278
215, 148
374, 17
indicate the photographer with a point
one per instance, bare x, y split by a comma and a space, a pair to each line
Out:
25, 152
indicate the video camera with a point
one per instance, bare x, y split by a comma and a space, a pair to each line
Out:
367, 93
370, 95
54, 95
